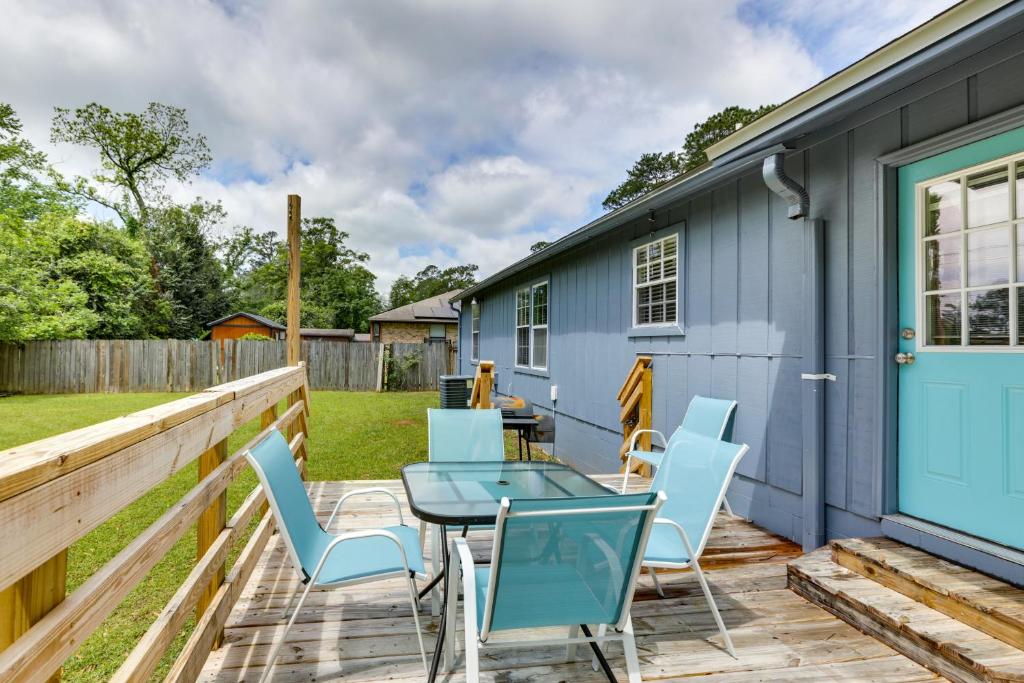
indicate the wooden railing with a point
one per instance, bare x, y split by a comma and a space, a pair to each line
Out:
635, 398
54, 491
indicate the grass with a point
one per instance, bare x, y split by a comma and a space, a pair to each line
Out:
352, 436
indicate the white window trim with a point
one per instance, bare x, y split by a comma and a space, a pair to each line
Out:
474, 331
1015, 225
530, 327
672, 324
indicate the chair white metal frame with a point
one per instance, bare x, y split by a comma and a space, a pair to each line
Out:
311, 546
695, 484
596, 543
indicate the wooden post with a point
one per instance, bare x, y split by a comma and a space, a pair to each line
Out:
211, 523
636, 398
294, 277
26, 601
294, 300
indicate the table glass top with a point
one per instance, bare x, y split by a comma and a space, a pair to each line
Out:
470, 492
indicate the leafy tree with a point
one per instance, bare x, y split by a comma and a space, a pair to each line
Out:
537, 246
337, 287
188, 274
715, 128
646, 174
655, 168
138, 154
431, 281
27, 187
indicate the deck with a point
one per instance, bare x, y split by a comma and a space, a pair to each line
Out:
365, 633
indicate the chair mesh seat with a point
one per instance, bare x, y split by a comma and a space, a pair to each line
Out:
362, 557
664, 545
555, 592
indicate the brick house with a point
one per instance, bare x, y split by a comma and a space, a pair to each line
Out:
433, 319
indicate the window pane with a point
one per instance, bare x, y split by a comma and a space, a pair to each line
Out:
476, 346
943, 208
643, 315
540, 305
943, 319
1020, 315
657, 293
1020, 252
641, 275
670, 302
988, 197
523, 346
655, 271
1020, 190
670, 246
641, 256
657, 313
988, 257
540, 347
989, 313
942, 263
643, 295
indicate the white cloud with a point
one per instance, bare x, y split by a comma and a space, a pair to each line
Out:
439, 131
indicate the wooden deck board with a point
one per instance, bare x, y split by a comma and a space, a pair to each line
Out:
366, 633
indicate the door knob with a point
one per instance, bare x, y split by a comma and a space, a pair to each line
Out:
905, 358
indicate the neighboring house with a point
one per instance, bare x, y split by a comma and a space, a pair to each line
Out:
324, 334
912, 247
433, 319
240, 324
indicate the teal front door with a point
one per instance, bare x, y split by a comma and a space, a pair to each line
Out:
961, 373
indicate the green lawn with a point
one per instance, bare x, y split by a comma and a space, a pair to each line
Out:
352, 436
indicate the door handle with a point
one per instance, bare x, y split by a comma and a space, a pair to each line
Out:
905, 358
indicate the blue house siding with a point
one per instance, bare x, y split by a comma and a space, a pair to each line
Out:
743, 315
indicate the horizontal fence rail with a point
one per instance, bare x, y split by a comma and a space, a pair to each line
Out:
117, 366
54, 491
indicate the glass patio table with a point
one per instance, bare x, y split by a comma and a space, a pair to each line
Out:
463, 494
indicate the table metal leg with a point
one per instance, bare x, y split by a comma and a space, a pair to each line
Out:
436, 660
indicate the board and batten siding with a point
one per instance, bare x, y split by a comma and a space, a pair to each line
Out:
742, 311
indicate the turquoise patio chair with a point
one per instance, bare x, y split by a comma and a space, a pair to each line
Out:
710, 417
456, 435
331, 560
459, 435
695, 482
570, 562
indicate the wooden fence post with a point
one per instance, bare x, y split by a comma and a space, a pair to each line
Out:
211, 523
294, 334
28, 600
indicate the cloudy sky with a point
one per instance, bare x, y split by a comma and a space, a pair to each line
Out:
434, 131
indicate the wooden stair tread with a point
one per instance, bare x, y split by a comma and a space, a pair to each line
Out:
935, 640
981, 601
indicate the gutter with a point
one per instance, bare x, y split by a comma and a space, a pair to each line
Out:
672, 191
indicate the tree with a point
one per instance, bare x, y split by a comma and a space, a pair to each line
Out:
138, 154
27, 187
650, 171
537, 246
655, 168
431, 281
715, 128
187, 272
337, 287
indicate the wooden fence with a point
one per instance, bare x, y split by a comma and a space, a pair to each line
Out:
55, 491
83, 366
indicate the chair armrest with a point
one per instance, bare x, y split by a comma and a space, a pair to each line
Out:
465, 561
632, 447
364, 492
637, 433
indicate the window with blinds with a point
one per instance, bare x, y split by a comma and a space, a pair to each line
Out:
655, 271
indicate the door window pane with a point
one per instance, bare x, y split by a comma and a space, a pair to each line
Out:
988, 257
942, 263
988, 197
989, 316
943, 311
1020, 189
943, 208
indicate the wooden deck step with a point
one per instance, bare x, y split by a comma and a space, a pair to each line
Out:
987, 604
939, 642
